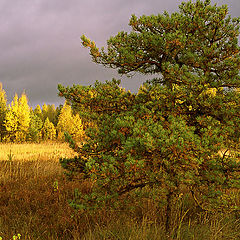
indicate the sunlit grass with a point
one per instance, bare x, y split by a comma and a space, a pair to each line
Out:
23, 161
34, 151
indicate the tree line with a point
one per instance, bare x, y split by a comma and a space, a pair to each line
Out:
21, 123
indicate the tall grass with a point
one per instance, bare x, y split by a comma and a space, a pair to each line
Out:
34, 203
32, 151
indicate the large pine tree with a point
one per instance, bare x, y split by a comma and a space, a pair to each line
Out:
164, 140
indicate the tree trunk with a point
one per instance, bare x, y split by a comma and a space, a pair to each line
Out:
168, 212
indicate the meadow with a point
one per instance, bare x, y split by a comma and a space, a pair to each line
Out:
33, 151
34, 196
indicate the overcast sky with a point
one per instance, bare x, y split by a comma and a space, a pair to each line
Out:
40, 42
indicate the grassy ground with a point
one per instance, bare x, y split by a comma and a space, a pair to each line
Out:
34, 195
32, 151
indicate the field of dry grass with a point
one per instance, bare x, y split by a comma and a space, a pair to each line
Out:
33, 151
34, 196
23, 161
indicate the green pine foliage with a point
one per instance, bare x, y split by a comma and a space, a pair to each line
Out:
163, 142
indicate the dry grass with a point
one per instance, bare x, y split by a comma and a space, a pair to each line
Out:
34, 151
34, 202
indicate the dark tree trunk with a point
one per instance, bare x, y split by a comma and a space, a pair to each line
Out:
168, 212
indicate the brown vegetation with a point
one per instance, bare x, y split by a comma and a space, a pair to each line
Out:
34, 197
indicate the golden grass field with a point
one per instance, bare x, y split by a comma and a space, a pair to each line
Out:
34, 194
32, 160
34, 151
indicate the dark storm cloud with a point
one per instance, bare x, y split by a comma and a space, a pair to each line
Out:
40, 41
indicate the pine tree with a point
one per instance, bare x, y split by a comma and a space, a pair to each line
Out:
3, 111
163, 141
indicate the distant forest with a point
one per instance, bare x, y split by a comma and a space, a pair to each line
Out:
21, 123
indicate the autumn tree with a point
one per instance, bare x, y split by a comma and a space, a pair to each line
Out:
64, 121
18, 119
167, 136
67, 122
44, 112
3, 111
38, 112
35, 126
49, 111
48, 130
52, 114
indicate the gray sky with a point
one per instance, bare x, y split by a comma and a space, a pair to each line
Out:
40, 42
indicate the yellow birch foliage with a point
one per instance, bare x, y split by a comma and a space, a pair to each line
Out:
3, 111
38, 111
44, 111
67, 122
50, 112
18, 119
48, 130
77, 131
